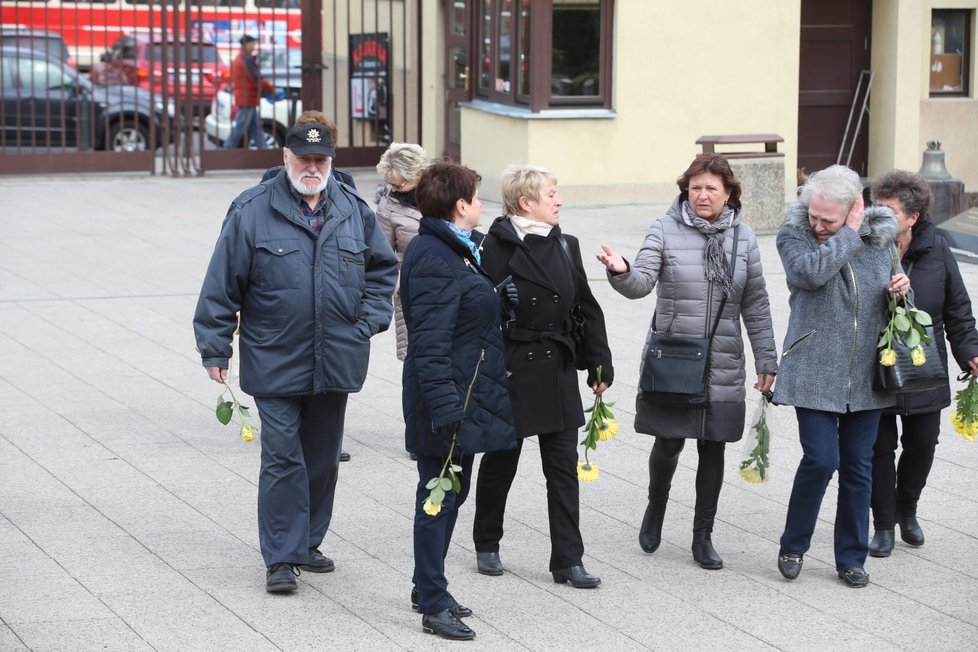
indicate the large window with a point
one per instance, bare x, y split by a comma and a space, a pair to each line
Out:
544, 53
950, 52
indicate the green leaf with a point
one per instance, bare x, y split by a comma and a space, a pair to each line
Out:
431, 484
900, 310
883, 340
589, 409
446, 484
922, 317
901, 323
244, 410
610, 404
457, 468
224, 412
913, 338
437, 495
456, 485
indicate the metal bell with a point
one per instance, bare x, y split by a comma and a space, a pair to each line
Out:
933, 167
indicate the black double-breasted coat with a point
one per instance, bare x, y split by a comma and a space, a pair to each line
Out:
540, 358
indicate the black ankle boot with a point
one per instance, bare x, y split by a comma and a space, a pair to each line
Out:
882, 543
703, 552
910, 530
650, 536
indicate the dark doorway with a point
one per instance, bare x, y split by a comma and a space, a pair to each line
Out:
458, 38
835, 49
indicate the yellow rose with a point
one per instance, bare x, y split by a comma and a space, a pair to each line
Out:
888, 357
587, 472
430, 508
752, 474
607, 430
247, 432
917, 356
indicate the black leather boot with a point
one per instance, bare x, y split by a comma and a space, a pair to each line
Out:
703, 552
650, 536
910, 530
882, 543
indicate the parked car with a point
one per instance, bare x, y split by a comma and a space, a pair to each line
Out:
50, 43
282, 67
276, 117
46, 103
137, 60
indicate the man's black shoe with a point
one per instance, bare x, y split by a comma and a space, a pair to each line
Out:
857, 578
344, 456
318, 563
790, 565
457, 609
280, 578
447, 625
577, 576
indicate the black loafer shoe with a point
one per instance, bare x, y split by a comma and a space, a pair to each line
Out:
280, 578
790, 565
344, 456
882, 543
910, 530
457, 609
577, 576
857, 578
447, 625
489, 563
318, 563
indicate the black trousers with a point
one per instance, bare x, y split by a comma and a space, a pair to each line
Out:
897, 486
663, 461
558, 453
433, 534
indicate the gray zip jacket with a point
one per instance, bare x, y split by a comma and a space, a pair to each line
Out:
838, 309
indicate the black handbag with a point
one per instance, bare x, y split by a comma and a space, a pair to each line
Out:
676, 370
903, 377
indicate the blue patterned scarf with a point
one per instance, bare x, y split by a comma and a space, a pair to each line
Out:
465, 235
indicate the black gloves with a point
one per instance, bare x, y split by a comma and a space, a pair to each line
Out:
509, 297
446, 431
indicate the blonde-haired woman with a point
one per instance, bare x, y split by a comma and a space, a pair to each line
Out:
400, 166
527, 245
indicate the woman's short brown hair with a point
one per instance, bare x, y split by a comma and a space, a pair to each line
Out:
441, 184
714, 164
910, 189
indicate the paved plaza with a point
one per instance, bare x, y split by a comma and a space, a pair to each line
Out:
128, 513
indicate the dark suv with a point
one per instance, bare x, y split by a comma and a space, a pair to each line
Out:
45, 104
50, 43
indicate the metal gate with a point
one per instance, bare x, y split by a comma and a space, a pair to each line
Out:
145, 85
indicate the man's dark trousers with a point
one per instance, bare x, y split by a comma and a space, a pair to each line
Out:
300, 456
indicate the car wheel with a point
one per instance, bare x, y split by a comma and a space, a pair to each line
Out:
128, 137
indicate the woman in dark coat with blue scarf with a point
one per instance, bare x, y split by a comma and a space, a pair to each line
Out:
939, 290
455, 399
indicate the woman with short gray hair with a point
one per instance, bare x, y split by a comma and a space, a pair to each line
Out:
838, 270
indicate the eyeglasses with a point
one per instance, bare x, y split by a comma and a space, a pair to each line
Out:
399, 187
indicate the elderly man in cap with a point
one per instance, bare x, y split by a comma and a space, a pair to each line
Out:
247, 87
303, 260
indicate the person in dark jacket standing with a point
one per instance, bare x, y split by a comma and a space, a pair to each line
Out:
836, 263
248, 88
302, 259
454, 380
686, 257
528, 246
939, 290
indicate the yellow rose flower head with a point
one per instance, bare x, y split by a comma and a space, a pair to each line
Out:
917, 356
752, 474
607, 430
430, 508
247, 432
888, 358
587, 472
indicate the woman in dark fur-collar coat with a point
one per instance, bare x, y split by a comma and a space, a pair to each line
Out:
528, 247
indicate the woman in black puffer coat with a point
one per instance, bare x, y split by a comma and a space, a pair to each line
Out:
940, 291
454, 382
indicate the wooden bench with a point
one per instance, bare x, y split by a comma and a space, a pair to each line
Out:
770, 142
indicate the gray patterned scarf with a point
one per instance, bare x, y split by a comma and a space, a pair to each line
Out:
714, 260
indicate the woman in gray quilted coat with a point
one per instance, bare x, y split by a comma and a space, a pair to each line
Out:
398, 214
686, 257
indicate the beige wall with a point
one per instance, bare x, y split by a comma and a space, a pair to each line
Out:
681, 70
904, 116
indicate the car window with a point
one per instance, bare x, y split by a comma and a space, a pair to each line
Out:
199, 52
37, 75
54, 47
7, 76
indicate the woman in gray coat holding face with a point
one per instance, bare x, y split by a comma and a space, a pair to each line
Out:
836, 262
686, 254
